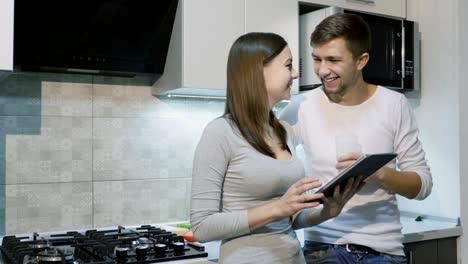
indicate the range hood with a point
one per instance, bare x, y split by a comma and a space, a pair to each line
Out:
112, 37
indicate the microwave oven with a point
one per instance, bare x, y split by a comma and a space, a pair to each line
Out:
394, 56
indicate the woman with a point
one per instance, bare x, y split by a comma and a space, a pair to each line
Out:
248, 186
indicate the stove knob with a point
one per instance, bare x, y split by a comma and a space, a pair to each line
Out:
141, 252
178, 248
160, 249
121, 254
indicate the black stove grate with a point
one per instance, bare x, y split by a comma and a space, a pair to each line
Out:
145, 244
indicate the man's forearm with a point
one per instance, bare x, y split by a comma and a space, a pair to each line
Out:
405, 183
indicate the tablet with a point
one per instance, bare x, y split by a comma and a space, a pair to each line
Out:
365, 166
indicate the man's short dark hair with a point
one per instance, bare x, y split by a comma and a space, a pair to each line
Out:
352, 28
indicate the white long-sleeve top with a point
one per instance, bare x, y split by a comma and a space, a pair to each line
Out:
383, 123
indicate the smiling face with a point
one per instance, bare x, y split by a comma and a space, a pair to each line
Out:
336, 67
279, 75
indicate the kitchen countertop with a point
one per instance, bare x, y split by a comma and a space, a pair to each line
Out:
191, 261
430, 227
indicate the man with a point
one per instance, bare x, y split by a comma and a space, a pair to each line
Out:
368, 230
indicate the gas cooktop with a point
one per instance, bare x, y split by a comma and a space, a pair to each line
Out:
144, 244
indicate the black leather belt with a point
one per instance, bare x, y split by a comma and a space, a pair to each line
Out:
359, 249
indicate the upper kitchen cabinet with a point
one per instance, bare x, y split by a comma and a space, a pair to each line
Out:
203, 33
394, 8
6, 35
277, 16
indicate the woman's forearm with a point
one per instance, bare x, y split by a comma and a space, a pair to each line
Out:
309, 217
263, 215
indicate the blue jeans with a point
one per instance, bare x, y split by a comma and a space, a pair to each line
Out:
320, 253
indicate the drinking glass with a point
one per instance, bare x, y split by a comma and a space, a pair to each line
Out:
345, 143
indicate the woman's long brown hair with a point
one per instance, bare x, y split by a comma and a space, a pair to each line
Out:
247, 102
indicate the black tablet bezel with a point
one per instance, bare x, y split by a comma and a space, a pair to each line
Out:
365, 166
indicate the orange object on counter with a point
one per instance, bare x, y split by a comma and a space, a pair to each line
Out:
189, 236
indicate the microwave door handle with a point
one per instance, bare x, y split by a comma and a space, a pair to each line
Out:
403, 49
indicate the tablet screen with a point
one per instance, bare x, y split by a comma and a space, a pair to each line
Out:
365, 166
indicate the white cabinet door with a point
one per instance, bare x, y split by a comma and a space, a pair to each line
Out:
395, 8
277, 16
6, 34
210, 28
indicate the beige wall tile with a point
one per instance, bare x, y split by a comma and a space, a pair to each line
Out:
60, 153
140, 202
66, 99
144, 148
48, 207
78, 154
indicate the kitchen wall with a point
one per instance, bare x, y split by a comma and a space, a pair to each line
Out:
462, 68
437, 106
441, 109
78, 151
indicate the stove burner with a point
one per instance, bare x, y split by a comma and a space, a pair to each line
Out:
142, 245
129, 236
38, 244
54, 255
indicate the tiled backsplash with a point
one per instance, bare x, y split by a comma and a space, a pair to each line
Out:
76, 153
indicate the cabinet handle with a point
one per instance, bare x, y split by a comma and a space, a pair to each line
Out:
411, 257
367, 2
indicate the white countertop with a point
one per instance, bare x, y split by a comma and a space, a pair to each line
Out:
431, 227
